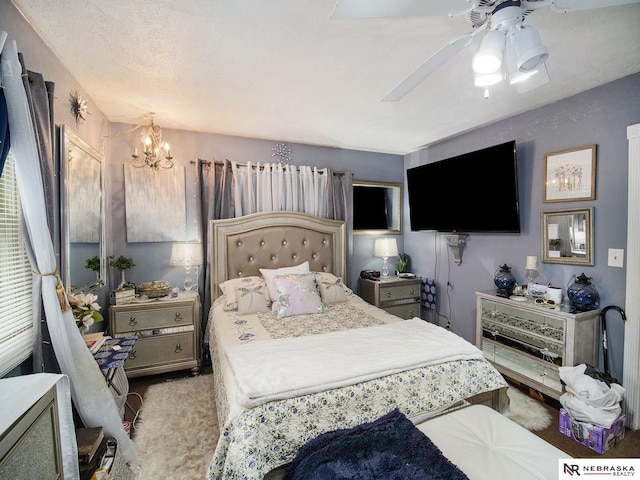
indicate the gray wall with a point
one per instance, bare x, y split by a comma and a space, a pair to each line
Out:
152, 259
599, 116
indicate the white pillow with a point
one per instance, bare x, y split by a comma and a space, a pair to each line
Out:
252, 299
331, 288
270, 274
229, 290
297, 295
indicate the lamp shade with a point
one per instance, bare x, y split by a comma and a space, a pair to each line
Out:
385, 247
185, 254
529, 50
489, 56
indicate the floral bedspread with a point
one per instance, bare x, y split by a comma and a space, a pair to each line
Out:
254, 441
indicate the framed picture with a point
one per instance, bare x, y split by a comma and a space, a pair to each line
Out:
570, 175
155, 204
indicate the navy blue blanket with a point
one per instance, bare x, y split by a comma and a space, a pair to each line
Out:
390, 448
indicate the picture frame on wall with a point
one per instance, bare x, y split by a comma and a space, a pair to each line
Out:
155, 204
570, 175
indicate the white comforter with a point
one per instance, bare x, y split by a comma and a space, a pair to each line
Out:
264, 370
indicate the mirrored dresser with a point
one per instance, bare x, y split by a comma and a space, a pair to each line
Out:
528, 342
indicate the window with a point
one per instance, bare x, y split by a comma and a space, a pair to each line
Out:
16, 323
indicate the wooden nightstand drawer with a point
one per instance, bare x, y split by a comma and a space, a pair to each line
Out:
390, 293
138, 319
156, 350
410, 310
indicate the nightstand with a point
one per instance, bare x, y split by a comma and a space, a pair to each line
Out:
398, 296
168, 332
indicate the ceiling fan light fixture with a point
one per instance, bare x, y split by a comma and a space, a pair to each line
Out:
487, 79
489, 56
518, 76
529, 50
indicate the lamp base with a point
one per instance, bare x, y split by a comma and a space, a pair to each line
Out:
189, 285
385, 267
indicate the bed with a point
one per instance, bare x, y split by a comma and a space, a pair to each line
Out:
287, 373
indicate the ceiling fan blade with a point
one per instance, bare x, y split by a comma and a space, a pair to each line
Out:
350, 9
434, 62
567, 6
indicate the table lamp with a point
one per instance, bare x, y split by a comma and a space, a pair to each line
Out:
187, 255
385, 248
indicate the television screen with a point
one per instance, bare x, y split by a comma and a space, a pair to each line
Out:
474, 192
370, 208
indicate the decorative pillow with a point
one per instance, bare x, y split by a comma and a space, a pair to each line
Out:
252, 299
270, 274
331, 288
297, 294
229, 290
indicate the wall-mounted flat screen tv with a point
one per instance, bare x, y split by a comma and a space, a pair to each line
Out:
474, 192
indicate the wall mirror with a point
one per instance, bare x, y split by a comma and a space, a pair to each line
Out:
377, 208
567, 236
83, 249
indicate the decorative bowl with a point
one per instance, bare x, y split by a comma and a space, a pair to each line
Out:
155, 289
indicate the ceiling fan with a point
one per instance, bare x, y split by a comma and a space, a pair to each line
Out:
510, 49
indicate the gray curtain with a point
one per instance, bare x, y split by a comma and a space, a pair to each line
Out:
217, 202
40, 96
5, 142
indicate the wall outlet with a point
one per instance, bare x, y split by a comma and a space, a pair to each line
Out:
616, 257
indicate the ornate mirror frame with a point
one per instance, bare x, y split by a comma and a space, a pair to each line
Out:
82, 201
392, 193
567, 236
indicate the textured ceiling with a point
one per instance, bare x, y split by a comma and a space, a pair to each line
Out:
284, 70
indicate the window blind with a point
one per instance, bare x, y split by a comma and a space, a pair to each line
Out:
16, 323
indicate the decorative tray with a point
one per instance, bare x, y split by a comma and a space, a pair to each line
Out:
155, 289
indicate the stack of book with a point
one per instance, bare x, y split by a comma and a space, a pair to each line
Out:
94, 341
91, 447
96, 453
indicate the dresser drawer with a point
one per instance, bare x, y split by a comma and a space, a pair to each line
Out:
139, 319
520, 365
533, 343
156, 350
537, 323
390, 293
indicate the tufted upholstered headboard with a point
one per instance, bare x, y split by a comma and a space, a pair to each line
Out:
239, 247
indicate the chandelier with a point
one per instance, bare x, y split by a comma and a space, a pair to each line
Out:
155, 153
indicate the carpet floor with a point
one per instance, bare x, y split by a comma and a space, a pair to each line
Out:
177, 430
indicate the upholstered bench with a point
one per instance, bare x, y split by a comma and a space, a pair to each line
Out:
486, 445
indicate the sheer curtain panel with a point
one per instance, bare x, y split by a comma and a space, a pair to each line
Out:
93, 400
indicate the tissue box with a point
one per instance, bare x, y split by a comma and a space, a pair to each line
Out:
126, 295
596, 437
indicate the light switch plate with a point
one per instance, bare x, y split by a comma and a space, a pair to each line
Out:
616, 257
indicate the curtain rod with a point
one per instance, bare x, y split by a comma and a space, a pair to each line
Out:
222, 162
